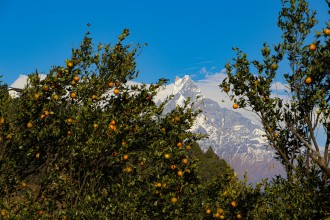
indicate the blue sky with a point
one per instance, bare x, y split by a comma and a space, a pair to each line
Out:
184, 37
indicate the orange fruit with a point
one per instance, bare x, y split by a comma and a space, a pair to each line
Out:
40, 212
46, 113
220, 211
177, 118
56, 97
216, 215
188, 147
128, 169
73, 83
222, 217
116, 91
24, 184
111, 84
208, 211
125, 157
180, 173
29, 125
42, 116
9, 136
94, 97
112, 127
45, 88
185, 161
4, 212
274, 66
158, 185
2, 121
173, 167
327, 31
76, 78
73, 95
95, 125
174, 200
238, 216
38, 155
233, 204
308, 80
167, 156
36, 95
69, 133
69, 64
312, 47
69, 120
163, 130
235, 106
117, 83
113, 122
276, 134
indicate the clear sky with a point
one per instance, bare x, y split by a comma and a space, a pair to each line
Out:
184, 37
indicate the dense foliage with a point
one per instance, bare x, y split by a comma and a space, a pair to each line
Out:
85, 143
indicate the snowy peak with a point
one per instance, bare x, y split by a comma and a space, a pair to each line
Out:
185, 86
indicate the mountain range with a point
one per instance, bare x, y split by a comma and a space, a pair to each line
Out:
233, 137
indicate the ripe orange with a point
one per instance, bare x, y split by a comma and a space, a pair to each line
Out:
9, 136
173, 167
73, 95
69, 64
188, 147
69, 133
177, 118
42, 116
128, 170
94, 97
179, 144
233, 204
45, 88
125, 157
69, 120
36, 95
95, 126
308, 80
56, 97
235, 106
238, 216
180, 173
185, 161
167, 156
327, 31
2, 121
216, 215
4, 212
116, 91
274, 66
222, 217
117, 83
46, 113
113, 122
158, 185
208, 211
76, 78
29, 125
111, 84
73, 83
163, 130
312, 47
276, 134
220, 211
174, 200
24, 184
112, 127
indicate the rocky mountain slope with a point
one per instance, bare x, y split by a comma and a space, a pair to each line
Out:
232, 136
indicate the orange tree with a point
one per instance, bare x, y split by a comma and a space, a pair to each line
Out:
84, 144
291, 123
291, 126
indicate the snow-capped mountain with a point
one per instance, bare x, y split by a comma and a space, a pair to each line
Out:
232, 136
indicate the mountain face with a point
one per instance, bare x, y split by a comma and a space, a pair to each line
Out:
232, 136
